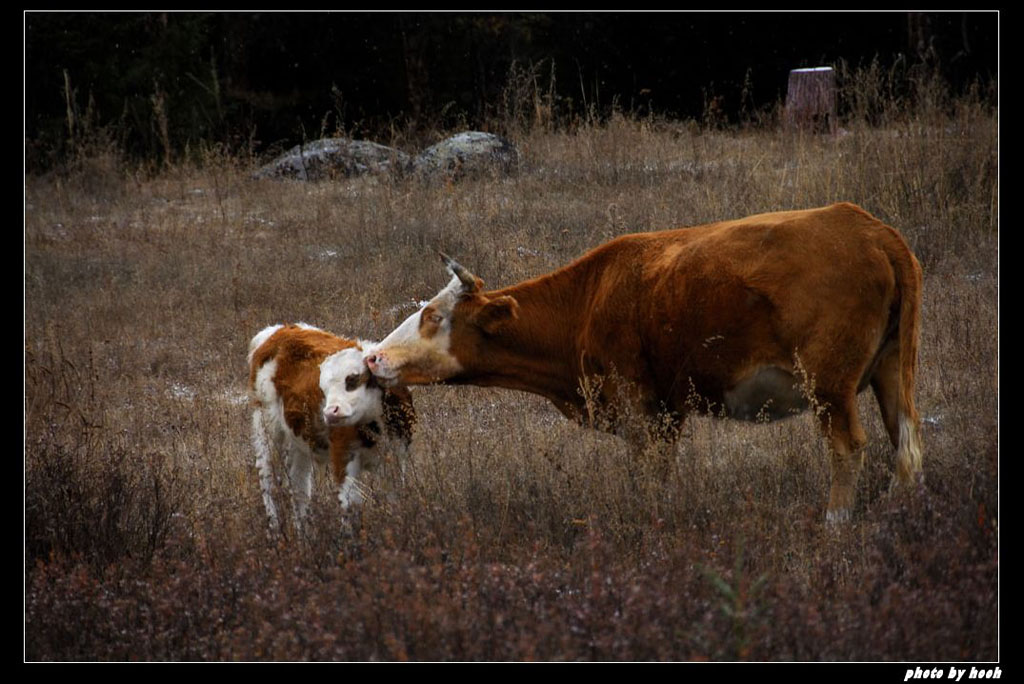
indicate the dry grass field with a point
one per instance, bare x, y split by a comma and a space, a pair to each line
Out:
512, 534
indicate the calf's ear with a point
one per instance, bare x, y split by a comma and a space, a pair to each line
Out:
497, 312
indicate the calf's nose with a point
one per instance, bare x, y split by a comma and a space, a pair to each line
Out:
335, 413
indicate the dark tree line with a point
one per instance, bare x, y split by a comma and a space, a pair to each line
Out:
158, 82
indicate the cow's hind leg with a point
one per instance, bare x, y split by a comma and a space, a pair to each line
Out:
842, 428
901, 422
885, 385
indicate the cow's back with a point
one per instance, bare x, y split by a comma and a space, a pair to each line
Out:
693, 309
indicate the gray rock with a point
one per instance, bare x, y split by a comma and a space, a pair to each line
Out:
334, 158
467, 153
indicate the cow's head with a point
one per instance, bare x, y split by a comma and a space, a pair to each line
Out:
351, 394
445, 338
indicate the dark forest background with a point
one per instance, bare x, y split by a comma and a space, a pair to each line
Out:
160, 84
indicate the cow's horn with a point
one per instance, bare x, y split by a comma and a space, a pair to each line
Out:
467, 278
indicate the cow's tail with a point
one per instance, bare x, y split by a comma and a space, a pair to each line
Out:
909, 281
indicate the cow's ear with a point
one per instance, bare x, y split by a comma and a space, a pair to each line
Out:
497, 312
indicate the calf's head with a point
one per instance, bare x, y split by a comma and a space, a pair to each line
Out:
446, 338
351, 395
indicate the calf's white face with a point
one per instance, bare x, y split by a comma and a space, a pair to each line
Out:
349, 396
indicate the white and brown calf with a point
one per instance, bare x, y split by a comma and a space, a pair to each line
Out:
314, 400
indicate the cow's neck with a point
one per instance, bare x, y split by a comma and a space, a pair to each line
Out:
536, 351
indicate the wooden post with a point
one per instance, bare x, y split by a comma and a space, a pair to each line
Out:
811, 100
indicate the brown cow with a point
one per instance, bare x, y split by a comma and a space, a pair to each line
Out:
313, 399
737, 312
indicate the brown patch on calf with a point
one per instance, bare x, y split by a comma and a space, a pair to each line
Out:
341, 440
299, 352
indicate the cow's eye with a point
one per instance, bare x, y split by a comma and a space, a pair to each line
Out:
435, 318
351, 383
